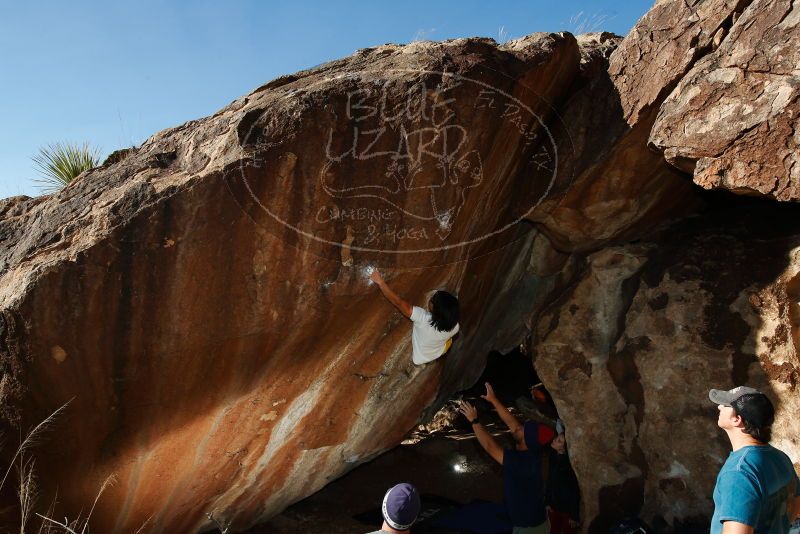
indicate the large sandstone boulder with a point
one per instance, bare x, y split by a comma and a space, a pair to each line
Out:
203, 300
631, 350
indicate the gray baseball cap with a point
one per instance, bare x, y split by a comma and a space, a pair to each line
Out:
725, 398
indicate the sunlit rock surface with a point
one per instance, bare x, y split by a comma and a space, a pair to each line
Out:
723, 77
204, 301
733, 117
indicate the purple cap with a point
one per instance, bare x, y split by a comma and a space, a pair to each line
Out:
401, 506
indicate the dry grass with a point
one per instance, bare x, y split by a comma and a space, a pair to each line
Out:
44, 526
33, 438
28, 490
80, 525
583, 22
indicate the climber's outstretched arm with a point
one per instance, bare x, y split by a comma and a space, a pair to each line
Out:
404, 307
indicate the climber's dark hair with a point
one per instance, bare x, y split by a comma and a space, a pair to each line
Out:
444, 311
757, 413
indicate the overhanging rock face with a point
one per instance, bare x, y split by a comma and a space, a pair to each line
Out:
204, 302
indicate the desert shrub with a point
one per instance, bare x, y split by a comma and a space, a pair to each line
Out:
60, 163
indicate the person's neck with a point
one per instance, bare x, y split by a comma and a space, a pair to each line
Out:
387, 528
740, 440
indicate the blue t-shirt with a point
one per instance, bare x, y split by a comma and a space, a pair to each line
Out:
753, 487
523, 487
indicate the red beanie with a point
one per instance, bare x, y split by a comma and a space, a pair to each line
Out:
536, 434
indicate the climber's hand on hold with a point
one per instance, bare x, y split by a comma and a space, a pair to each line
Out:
376, 277
469, 411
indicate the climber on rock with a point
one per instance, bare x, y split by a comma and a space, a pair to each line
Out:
433, 329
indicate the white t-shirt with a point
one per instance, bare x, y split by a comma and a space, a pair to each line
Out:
427, 342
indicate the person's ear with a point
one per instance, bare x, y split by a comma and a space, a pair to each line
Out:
737, 421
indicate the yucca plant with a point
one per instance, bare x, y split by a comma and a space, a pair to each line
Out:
60, 163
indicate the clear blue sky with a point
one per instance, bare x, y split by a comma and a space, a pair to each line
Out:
112, 74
